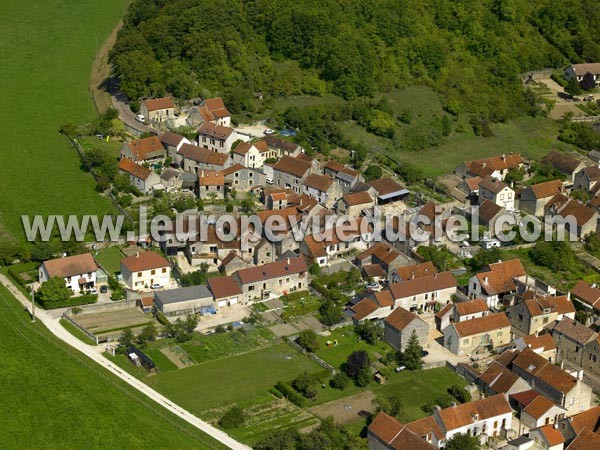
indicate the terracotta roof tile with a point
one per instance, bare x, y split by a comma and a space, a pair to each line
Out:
357, 198
586, 293
488, 210
574, 330
547, 189
156, 104
133, 169
400, 318
70, 266
436, 282
223, 287
385, 186
319, 182
171, 139
551, 434
272, 270
363, 308
492, 184
499, 378
385, 427
144, 261
538, 407
293, 166
504, 162
416, 270
481, 324
471, 307
202, 155
562, 161
215, 131
211, 178
462, 415
143, 149
585, 440
498, 278
589, 419
374, 270
543, 341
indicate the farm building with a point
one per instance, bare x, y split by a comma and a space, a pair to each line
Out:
187, 300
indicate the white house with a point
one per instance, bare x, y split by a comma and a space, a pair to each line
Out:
79, 271
495, 281
423, 293
579, 71
496, 191
217, 138
252, 154
143, 270
139, 176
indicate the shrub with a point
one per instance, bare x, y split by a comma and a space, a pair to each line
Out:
306, 384
459, 393
162, 319
289, 393
308, 340
339, 381
233, 418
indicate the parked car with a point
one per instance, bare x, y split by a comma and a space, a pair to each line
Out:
269, 131
93, 291
400, 369
269, 180
140, 118
490, 243
156, 286
374, 286
588, 98
103, 289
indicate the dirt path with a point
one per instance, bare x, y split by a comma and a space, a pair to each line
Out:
101, 73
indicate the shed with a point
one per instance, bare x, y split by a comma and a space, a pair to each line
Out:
187, 300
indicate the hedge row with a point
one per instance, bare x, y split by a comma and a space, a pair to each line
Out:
86, 299
15, 272
290, 393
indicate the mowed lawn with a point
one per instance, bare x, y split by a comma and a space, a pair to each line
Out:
47, 52
347, 342
418, 388
231, 380
110, 259
53, 397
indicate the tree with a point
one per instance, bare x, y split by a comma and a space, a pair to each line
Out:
370, 331
306, 385
459, 393
339, 381
53, 291
373, 172
43, 251
462, 442
514, 176
357, 362
412, 356
330, 312
308, 340
234, 417
573, 87
148, 334
125, 340
555, 255
389, 403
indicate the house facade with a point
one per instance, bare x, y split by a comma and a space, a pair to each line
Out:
158, 110
496, 191
400, 325
79, 271
217, 138
290, 172
144, 269
474, 335
139, 176
422, 294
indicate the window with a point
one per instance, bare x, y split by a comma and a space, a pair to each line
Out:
501, 196
153, 272
140, 274
164, 270
499, 333
251, 287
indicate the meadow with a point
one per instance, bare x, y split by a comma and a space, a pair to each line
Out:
53, 397
47, 52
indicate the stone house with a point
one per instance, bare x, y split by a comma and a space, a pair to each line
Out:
139, 176
530, 316
495, 281
496, 166
587, 179
211, 184
566, 164
535, 198
158, 110
347, 178
217, 138
194, 158
354, 204
323, 189
497, 379
422, 294
471, 336
540, 412
172, 142
496, 191
290, 172
149, 150
283, 147
579, 220
399, 326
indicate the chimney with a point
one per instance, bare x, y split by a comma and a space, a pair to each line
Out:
569, 295
288, 261
503, 157
485, 280
580, 374
137, 255
412, 275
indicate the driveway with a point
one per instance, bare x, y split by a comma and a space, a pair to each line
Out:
94, 353
128, 117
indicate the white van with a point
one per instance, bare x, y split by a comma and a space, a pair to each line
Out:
490, 243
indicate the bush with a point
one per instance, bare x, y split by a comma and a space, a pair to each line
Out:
289, 393
308, 340
339, 381
86, 299
134, 106
459, 393
306, 384
233, 418
15, 272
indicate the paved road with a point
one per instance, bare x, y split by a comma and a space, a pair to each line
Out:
92, 352
128, 118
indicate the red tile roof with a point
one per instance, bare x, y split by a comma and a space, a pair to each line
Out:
143, 149
551, 434
357, 198
562, 161
471, 307
500, 276
156, 104
462, 415
499, 378
385, 186
272, 270
70, 266
133, 169
400, 318
292, 166
538, 407
416, 270
492, 184
585, 440
481, 324
144, 261
504, 162
211, 178
586, 293
319, 182
547, 189
215, 131
202, 155
589, 419
223, 287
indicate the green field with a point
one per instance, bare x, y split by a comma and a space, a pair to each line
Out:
47, 52
231, 380
348, 342
53, 397
110, 259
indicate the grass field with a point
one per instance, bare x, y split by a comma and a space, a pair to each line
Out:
110, 259
77, 332
48, 50
53, 397
348, 342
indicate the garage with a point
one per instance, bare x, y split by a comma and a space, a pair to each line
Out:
222, 303
233, 301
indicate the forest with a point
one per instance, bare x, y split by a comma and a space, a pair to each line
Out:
470, 51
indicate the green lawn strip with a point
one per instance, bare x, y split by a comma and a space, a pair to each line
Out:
300, 307
347, 342
41, 90
77, 332
163, 363
418, 388
104, 411
110, 259
221, 345
240, 377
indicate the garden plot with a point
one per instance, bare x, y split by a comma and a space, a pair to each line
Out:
105, 323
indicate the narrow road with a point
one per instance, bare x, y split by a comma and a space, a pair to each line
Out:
128, 118
53, 324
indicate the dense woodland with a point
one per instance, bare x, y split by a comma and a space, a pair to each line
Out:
470, 51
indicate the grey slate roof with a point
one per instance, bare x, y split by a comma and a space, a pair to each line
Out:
184, 294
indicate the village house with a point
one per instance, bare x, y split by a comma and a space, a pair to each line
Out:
470, 186
387, 190
283, 147
158, 110
460, 311
173, 180
225, 290
78, 271
488, 417
495, 281
193, 159
172, 143
344, 176
564, 163
139, 176
482, 333
579, 220
376, 305
565, 390
587, 180
252, 154
576, 343
388, 258
149, 149
534, 198
184, 301
272, 279
217, 138
144, 270
422, 294
399, 326
497, 379
487, 214
356, 204
214, 111
573, 426
496, 166
323, 189
211, 184
540, 412
386, 433
581, 71
588, 296
546, 437
585, 440
531, 315
232, 262
543, 344
243, 178
404, 272
497, 192
290, 172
